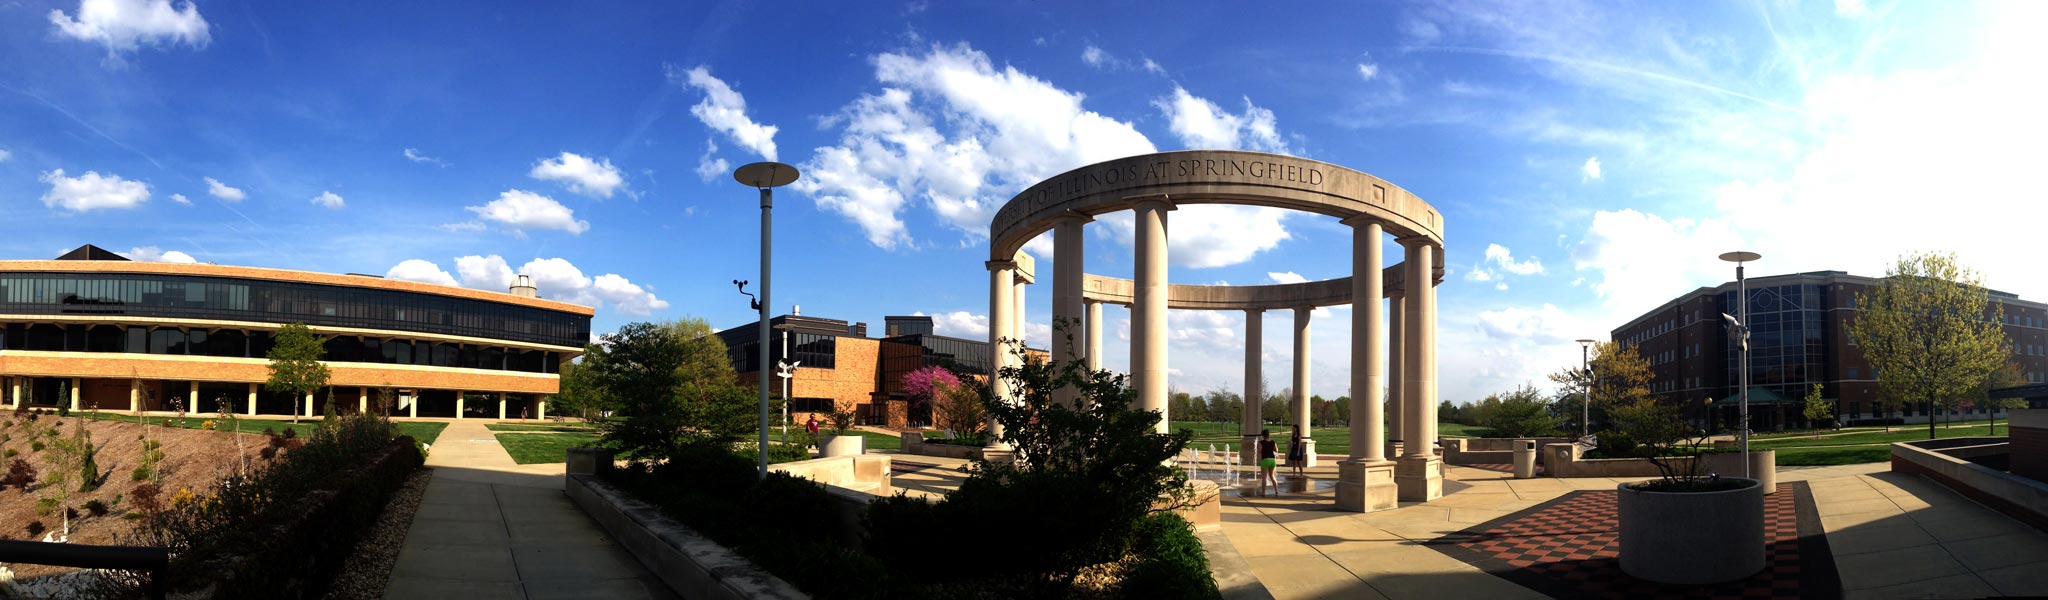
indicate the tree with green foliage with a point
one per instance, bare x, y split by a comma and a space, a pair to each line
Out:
1618, 376
2010, 375
579, 392
705, 360
1817, 409
1930, 331
1224, 406
1520, 413
1274, 409
295, 366
675, 391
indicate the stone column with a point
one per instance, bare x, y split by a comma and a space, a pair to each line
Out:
1420, 473
363, 400
459, 400
1148, 342
135, 396
412, 409
309, 404
74, 393
1397, 358
252, 400
1254, 334
501, 407
540, 410
1366, 482
1067, 304
1094, 326
192, 398
1301, 392
1001, 320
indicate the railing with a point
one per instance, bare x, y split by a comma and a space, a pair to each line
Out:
126, 558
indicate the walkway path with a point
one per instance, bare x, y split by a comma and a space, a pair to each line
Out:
1902, 536
489, 528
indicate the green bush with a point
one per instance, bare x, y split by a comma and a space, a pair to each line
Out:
1171, 562
35, 446
141, 473
45, 506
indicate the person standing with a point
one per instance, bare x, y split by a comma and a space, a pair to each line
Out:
1297, 453
1266, 462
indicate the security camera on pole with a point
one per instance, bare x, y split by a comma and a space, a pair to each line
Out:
1741, 325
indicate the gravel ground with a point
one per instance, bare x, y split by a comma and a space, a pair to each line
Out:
365, 573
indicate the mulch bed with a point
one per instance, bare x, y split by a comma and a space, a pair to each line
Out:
1568, 548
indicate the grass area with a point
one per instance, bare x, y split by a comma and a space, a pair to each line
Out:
1898, 434
539, 448
1839, 455
549, 428
1461, 430
425, 432
874, 441
1978, 424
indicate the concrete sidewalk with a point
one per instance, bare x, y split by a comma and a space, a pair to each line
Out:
489, 528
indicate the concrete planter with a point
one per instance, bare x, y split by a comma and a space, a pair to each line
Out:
1692, 538
1763, 467
852, 444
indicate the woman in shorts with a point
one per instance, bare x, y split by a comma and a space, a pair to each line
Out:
1297, 453
1266, 463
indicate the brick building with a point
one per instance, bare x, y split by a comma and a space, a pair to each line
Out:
840, 368
1798, 337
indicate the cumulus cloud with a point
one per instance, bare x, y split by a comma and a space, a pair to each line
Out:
1500, 257
181, 199
1591, 168
522, 210
155, 254
1003, 130
1368, 71
581, 175
421, 271
330, 200
960, 324
1287, 277
725, 110
1200, 123
710, 166
92, 191
1208, 235
413, 154
223, 191
1095, 56
554, 278
122, 26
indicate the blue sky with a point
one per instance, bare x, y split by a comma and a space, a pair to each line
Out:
1590, 159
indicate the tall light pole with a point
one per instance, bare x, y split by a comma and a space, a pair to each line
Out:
1742, 327
1586, 402
765, 176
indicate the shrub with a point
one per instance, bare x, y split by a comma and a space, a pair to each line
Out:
97, 508
89, 470
10, 453
35, 446
1171, 562
35, 528
146, 497
141, 473
63, 410
45, 506
20, 474
207, 425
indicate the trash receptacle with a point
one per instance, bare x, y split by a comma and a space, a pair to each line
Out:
1525, 459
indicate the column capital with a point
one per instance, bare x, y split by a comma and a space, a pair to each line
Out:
1365, 219
1072, 216
1001, 264
1413, 241
1154, 201
1255, 311
1301, 312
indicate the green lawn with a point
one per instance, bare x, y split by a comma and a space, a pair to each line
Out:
550, 427
1461, 430
424, 431
1840, 455
1898, 434
1977, 424
538, 448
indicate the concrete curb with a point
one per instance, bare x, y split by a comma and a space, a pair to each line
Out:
691, 564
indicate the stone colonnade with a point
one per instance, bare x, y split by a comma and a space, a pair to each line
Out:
13, 391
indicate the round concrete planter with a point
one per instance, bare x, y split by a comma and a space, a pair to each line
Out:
1763, 466
852, 444
1692, 538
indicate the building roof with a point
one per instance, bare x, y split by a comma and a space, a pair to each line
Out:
2031, 390
91, 252
122, 265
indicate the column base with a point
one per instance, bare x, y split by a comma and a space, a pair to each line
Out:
1419, 478
1248, 451
1367, 486
1309, 453
1001, 455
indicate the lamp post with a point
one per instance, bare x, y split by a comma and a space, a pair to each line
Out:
1586, 402
1742, 327
765, 176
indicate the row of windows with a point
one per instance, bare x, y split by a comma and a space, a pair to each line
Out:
236, 343
813, 351
181, 296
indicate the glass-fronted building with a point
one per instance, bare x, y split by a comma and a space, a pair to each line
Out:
843, 369
93, 330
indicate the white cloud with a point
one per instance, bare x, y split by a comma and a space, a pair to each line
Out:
421, 271
181, 199
1202, 124
1501, 286
92, 191
222, 191
709, 166
1479, 274
1101, 59
484, 272
463, 227
1287, 277
1591, 168
960, 324
626, 296
4, 155
1005, 130
413, 154
1208, 235
522, 210
1368, 71
330, 200
155, 254
1852, 9
1153, 67
1499, 256
725, 110
1096, 57
123, 25
594, 178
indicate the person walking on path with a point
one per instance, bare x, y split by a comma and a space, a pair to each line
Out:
1266, 463
812, 427
1297, 453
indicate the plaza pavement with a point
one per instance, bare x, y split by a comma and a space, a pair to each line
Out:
1892, 535
488, 528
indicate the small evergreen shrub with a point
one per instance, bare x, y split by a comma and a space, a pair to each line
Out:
45, 506
1171, 562
35, 528
141, 473
35, 446
97, 508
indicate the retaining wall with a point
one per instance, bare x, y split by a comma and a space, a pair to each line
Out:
2018, 497
691, 564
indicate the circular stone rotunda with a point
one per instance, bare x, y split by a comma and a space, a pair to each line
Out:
1152, 185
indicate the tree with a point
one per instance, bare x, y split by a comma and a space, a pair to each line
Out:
1224, 406
1520, 413
2011, 374
1619, 376
1275, 408
295, 366
1344, 409
959, 407
640, 369
1930, 331
580, 393
705, 359
1816, 410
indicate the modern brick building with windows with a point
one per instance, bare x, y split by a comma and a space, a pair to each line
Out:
843, 369
93, 330
1798, 337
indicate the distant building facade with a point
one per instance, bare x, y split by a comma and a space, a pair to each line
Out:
842, 369
1798, 337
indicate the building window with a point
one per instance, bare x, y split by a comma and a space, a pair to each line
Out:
1852, 372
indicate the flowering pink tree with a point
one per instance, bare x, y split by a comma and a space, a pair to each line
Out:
923, 384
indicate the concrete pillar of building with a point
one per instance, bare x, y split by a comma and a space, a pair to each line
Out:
75, 382
192, 397
1365, 482
1093, 355
13, 392
540, 409
459, 400
135, 396
1001, 296
1301, 403
1254, 333
252, 400
501, 407
1067, 304
1148, 305
412, 409
309, 404
363, 400
1397, 359
1419, 474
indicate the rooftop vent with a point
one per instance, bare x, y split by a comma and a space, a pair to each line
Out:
523, 287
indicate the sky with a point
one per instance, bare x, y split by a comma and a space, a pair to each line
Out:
1590, 159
